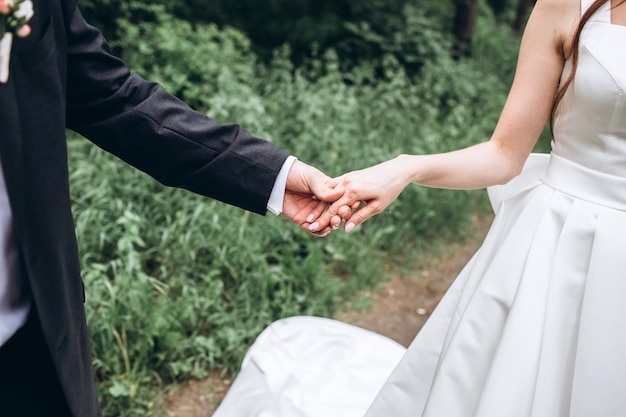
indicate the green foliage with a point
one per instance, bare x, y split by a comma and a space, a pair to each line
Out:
298, 23
358, 32
178, 284
210, 69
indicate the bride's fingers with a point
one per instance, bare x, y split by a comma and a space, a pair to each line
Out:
340, 209
334, 222
345, 211
361, 215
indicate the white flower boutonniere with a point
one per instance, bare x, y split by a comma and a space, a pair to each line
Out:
14, 17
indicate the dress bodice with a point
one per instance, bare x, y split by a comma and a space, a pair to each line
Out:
590, 124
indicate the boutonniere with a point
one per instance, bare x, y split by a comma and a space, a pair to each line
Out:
14, 17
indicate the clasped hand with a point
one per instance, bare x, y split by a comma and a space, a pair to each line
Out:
320, 204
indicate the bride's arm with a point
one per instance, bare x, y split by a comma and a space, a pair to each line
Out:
542, 53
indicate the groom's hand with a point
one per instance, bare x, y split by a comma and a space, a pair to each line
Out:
308, 196
366, 193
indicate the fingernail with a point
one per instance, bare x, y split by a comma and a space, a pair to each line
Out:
335, 227
350, 227
310, 218
314, 226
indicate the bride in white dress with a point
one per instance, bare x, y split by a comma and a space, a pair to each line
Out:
535, 325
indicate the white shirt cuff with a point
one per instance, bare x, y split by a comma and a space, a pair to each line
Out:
275, 203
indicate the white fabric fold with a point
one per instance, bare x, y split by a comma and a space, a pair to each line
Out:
311, 367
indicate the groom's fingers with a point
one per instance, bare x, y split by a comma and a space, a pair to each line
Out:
317, 211
335, 222
319, 184
328, 217
322, 232
344, 212
324, 192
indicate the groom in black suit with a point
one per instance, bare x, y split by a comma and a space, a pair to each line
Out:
61, 75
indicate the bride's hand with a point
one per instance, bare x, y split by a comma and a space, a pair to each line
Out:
367, 192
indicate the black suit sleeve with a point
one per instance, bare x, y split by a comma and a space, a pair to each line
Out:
157, 133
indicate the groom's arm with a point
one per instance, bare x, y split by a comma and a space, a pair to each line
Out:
159, 134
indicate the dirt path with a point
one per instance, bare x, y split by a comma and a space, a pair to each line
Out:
397, 310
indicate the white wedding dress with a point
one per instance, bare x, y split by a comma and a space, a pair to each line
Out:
535, 324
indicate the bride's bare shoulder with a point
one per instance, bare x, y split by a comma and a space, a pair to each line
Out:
564, 16
568, 6
564, 12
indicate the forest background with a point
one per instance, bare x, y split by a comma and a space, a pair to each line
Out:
178, 285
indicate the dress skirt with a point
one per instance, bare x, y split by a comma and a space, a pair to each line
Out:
535, 324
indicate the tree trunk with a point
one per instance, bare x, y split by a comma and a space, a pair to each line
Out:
464, 21
522, 15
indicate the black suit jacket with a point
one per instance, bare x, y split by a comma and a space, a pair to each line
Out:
63, 76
